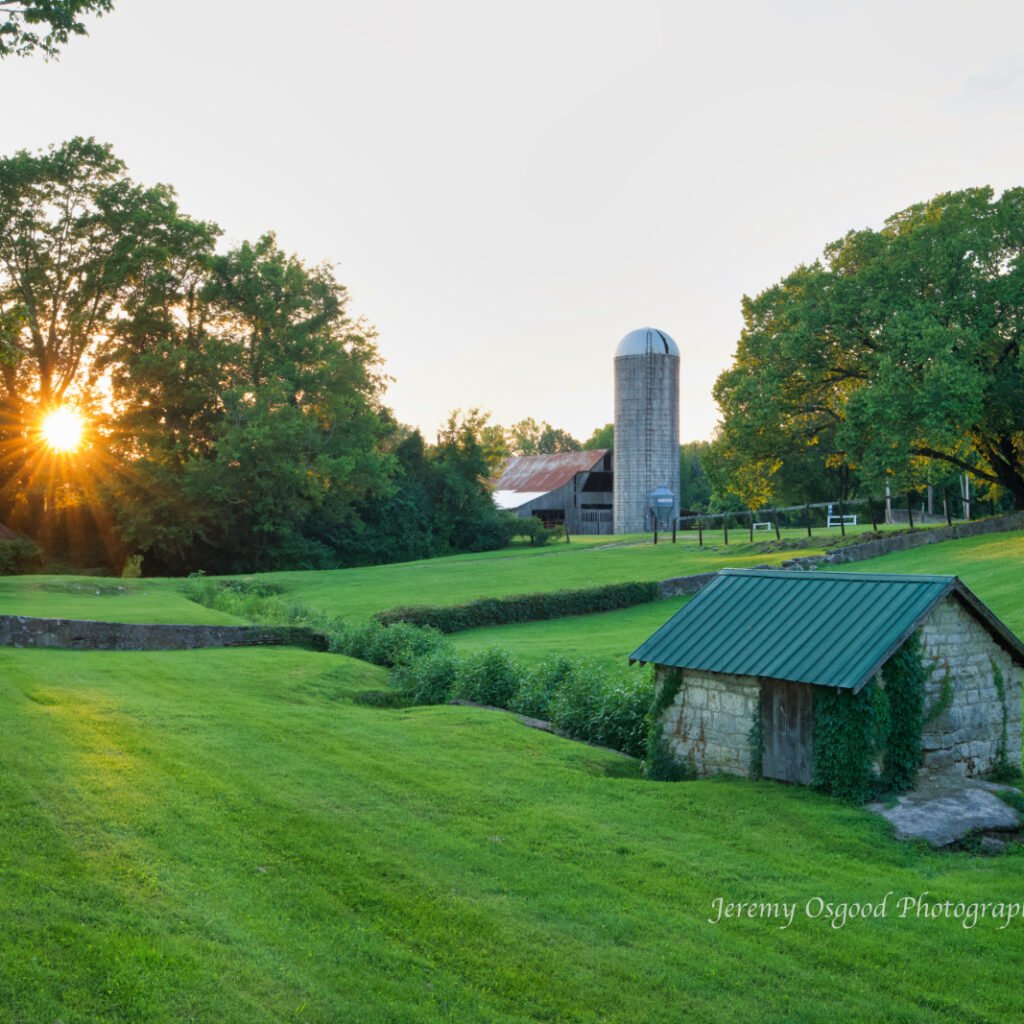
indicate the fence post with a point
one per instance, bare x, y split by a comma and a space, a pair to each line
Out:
910, 511
775, 520
945, 505
725, 526
842, 516
751, 526
675, 523
700, 532
874, 519
807, 517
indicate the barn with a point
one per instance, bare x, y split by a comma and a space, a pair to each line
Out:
741, 669
571, 489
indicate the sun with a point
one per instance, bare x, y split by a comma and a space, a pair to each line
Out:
62, 430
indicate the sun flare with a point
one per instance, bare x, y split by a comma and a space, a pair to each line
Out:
62, 430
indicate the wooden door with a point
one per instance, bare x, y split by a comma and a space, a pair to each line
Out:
787, 719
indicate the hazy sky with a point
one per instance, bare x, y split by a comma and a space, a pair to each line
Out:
507, 189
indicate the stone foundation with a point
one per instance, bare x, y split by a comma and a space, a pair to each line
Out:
965, 738
708, 723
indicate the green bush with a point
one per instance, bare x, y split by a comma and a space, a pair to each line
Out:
537, 689
500, 611
490, 677
18, 557
428, 680
603, 707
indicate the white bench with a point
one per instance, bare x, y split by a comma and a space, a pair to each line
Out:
762, 526
834, 520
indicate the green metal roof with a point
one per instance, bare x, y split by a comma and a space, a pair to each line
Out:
828, 628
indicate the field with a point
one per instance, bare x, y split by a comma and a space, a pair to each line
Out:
225, 836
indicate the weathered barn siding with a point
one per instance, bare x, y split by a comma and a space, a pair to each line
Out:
966, 738
708, 724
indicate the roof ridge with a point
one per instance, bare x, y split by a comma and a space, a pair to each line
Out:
854, 577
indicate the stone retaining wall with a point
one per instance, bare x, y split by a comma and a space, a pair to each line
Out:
86, 635
906, 541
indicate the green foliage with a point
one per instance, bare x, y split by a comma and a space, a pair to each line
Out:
1003, 769
896, 350
535, 531
489, 677
528, 437
694, 483
847, 729
943, 702
428, 680
602, 437
905, 677
660, 765
495, 611
605, 707
756, 740
539, 685
585, 700
18, 557
27, 26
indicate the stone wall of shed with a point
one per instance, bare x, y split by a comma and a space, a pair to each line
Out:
965, 739
708, 723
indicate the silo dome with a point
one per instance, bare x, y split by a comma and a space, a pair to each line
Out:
646, 451
644, 341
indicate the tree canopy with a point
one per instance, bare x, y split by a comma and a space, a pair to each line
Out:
27, 26
899, 349
234, 406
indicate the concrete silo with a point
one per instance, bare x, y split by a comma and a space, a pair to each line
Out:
646, 452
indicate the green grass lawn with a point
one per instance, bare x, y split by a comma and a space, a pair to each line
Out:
108, 600
608, 637
223, 836
357, 593
992, 566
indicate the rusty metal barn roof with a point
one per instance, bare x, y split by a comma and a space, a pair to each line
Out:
829, 628
539, 474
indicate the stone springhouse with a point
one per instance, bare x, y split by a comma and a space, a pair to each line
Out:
759, 645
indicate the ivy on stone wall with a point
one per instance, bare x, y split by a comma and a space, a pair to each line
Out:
660, 765
1003, 770
850, 729
906, 677
846, 733
756, 740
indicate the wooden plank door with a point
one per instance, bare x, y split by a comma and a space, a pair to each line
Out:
787, 719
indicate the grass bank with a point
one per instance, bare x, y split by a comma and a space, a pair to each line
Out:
223, 835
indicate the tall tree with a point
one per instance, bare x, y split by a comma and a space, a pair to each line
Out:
83, 250
528, 437
262, 426
602, 437
902, 346
27, 26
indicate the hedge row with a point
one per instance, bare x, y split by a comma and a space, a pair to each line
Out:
501, 611
583, 700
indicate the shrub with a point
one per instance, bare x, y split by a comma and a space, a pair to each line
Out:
607, 708
428, 680
18, 557
538, 687
489, 677
499, 611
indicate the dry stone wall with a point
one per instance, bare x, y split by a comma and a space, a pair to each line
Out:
85, 635
966, 738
